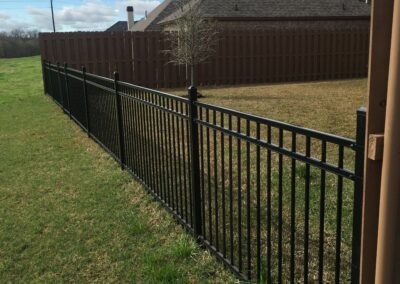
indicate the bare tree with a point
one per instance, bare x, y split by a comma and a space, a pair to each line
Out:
192, 37
18, 43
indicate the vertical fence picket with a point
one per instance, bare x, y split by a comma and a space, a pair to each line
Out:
223, 187
50, 89
60, 93
248, 201
339, 205
269, 208
307, 211
293, 211
258, 201
86, 98
67, 89
322, 218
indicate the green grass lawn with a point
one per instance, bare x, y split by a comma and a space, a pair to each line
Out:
67, 211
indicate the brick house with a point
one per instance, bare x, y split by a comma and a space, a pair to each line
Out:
259, 14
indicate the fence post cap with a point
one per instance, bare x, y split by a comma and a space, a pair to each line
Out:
362, 110
83, 68
116, 75
192, 90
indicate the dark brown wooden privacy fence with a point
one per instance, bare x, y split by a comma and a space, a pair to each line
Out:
241, 57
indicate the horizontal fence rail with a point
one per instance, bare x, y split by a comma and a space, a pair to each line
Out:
274, 202
241, 56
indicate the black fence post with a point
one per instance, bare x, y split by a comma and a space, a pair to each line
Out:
60, 93
358, 195
86, 100
121, 135
67, 89
50, 92
44, 76
194, 154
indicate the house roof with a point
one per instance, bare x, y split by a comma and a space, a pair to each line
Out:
161, 12
120, 26
258, 9
278, 9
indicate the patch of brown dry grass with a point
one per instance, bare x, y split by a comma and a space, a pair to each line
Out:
328, 106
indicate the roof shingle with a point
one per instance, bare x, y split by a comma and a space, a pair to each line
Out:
120, 26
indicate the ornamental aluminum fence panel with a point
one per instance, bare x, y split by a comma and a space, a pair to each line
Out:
274, 202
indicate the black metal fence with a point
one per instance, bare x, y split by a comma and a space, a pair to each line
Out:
274, 202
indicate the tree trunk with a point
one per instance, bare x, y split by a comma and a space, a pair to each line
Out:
193, 76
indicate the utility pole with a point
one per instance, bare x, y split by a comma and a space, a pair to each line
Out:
52, 15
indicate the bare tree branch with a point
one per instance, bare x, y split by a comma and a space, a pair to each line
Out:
193, 38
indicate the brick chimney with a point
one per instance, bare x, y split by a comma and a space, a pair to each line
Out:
131, 20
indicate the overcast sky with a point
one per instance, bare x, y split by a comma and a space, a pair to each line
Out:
70, 15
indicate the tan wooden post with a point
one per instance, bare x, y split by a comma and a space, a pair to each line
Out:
381, 25
388, 254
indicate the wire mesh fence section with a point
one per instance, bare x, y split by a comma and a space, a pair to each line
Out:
274, 202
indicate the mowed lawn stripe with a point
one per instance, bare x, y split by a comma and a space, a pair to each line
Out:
67, 211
